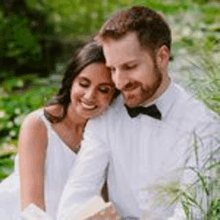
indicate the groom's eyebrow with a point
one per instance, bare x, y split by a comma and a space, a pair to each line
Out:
123, 64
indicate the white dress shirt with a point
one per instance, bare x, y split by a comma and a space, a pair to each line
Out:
140, 153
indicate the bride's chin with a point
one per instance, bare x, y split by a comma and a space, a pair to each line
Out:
88, 115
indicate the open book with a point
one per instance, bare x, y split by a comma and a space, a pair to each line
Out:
94, 209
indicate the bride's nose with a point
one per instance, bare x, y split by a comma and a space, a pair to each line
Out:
90, 94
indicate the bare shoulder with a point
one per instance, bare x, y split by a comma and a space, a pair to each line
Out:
33, 121
33, 132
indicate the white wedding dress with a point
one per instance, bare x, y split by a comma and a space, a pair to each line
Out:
59, 161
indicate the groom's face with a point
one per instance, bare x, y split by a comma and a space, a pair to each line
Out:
133, 69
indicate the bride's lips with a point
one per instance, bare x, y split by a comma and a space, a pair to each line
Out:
88, 105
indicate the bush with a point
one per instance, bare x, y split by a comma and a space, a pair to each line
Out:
18, 97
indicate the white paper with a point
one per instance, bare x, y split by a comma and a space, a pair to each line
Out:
32, 212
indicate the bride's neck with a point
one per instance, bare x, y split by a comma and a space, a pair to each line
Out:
74, 121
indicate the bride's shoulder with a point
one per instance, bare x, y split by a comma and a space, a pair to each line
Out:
33, 121
38, 116
33, 131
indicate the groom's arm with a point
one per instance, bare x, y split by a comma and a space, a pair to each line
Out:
88, 173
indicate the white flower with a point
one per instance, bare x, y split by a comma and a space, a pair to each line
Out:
17, 111
2, 114
198, 34
10, 124
56, 17
216, 57
183, 51
8, 138
94, 15
20, 83
17, 121
12, 133
186, 31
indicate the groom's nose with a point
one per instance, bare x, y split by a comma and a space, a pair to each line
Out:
120, 79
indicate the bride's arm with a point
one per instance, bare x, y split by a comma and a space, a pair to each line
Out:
32, 153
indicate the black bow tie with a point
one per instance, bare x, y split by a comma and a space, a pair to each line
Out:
151, 111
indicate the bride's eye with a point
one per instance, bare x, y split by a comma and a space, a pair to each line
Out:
104, 89
85, 85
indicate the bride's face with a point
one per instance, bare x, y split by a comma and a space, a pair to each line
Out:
92, 91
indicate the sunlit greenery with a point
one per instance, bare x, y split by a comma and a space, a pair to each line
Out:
19, 97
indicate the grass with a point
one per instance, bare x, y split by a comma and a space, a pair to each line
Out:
200, 197
206, 86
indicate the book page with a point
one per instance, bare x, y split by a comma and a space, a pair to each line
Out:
94, 209
32, 212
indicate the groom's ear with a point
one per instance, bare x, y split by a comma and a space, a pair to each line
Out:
162, 57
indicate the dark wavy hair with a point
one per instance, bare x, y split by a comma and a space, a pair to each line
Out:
87, 54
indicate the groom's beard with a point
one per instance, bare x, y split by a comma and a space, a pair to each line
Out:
142, 92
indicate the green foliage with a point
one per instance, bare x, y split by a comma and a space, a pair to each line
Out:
214, 211
165, 7
201, 2
73, 18
6, 167
16, 37
18, 97
15, 104
25, 40
206, 86
211, 13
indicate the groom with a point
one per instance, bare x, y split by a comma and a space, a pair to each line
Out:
148, 132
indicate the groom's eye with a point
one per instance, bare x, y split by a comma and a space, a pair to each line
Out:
129, 67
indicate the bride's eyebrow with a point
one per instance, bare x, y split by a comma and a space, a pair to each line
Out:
100, 84
84, 79
107, 84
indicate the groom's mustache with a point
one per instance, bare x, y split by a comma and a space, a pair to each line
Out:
130, 86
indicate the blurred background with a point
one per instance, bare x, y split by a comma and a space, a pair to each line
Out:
39, 37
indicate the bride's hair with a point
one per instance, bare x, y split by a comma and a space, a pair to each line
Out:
86, 55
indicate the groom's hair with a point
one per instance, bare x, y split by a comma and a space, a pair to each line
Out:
151, 28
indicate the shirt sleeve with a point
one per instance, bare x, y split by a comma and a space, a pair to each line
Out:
88, 172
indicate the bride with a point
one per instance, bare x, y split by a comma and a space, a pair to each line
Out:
50, 137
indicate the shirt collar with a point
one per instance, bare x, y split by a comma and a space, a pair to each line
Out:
165, 101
